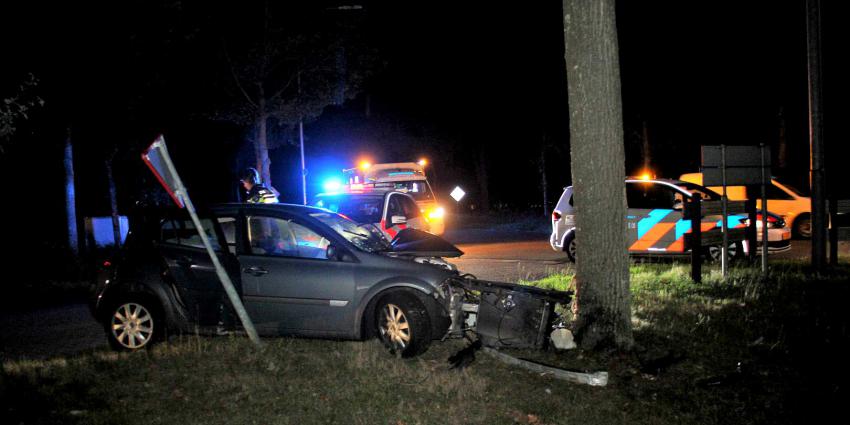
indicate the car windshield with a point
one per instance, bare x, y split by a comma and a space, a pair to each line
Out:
418, 189
362, 209
793, 189
363, 236
702, 191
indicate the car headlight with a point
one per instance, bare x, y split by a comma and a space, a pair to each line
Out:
436, 213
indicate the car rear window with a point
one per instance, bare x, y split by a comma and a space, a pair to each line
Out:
182, 232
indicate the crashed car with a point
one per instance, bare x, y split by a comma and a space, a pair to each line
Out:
309, 272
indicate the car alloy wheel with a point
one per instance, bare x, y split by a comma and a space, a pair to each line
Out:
394, 327
715, 252
803, 227
132, 326
402, 324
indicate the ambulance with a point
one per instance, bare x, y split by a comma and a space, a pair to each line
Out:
405, 177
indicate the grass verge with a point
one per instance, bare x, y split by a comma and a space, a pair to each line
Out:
744, 350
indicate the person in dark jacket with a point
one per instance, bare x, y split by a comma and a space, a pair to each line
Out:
257, 192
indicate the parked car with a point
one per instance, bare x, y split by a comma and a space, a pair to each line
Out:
782, 199
389, 211
654, 219
305, 271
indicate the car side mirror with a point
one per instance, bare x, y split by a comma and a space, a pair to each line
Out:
398, 219
337, 254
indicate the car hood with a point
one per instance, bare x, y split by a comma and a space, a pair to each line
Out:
422, 244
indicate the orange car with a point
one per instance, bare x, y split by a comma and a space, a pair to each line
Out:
794, 207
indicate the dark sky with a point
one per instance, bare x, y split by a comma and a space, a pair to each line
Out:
460, 79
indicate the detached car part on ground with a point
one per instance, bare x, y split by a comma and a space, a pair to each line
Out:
306, 271
656, 225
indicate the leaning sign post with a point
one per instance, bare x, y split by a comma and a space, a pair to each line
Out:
157, 159
738, 165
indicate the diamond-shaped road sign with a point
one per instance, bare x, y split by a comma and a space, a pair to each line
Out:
457, 194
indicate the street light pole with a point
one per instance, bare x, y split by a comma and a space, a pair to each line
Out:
301, 141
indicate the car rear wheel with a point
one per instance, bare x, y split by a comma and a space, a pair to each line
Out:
570, 247
803, 227
714, 253
403, 324
133, 325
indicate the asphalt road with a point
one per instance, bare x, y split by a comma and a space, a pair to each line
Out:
501, 256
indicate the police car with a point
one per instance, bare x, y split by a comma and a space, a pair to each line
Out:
654, 219
406, 177
390, 211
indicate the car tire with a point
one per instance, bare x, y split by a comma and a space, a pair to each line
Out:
714, 253
134, 324
402, 324
803, 227
570, 246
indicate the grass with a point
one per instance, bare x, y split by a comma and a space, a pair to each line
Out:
744, 350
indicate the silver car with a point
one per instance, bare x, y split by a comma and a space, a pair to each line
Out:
564, 224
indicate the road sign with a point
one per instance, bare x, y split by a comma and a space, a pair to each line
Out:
156, 158
743, 165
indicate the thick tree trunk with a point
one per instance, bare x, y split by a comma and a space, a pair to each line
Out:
603, 302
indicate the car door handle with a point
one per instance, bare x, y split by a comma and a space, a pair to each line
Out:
185, 261
256, 271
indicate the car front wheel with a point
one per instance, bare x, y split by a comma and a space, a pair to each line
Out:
134, 325
403, 324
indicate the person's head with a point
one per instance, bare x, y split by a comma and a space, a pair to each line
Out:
249, 177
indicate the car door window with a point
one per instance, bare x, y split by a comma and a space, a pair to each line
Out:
285, 238
228, 227
411, 210
650, 196
394, 208
182, 232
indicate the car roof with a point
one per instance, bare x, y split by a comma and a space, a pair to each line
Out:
290, 208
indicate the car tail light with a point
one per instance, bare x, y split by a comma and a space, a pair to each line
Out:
107, 264
556, 215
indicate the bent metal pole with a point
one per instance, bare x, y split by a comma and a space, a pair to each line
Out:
180, 191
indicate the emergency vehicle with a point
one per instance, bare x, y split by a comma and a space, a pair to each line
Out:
390, 211
654, 219
405, 177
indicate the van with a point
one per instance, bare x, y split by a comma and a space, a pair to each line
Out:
794, 207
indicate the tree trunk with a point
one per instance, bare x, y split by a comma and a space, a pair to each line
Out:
543, 180
70, 196
483, 184
602, 301
261, 145
113, 205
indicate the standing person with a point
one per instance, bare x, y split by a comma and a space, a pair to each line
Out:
257, 192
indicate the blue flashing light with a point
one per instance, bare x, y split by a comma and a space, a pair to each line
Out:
332, 185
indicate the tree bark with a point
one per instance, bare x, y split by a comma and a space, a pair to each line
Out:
113, 204
261, 145
70, 196
602, 301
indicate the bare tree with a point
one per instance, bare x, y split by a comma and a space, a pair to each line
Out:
288, 76
602, 302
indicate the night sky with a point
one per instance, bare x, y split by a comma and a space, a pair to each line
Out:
456, 82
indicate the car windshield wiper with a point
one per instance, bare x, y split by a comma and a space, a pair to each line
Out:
356, 234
